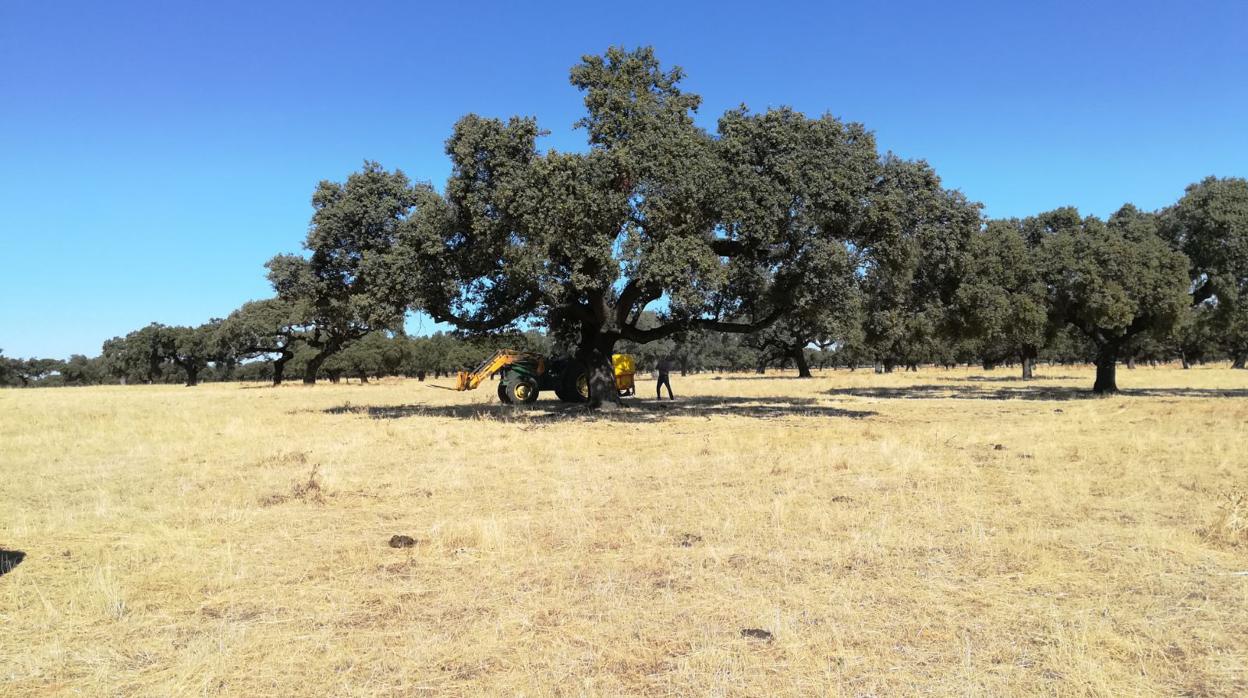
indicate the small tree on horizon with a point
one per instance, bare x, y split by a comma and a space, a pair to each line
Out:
192, 348
269, 327
140, 354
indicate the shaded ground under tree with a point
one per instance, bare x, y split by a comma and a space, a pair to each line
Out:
1028, 392
641, 411
10, 559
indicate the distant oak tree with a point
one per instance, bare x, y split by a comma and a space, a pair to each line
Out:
1115, 282
344, 285
1002, 298
1210, 225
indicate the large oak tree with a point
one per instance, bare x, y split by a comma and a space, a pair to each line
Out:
343, 287
270, 327
918, 233
1210, 225
1002, 298
717, 231
1116, 283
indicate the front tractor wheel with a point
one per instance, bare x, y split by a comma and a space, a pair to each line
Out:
521, 391
503, 394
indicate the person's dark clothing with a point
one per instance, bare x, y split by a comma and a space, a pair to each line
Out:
664, 369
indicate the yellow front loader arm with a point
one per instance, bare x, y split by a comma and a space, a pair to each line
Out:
469, 380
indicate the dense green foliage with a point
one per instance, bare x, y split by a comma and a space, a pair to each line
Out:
343, 288
728, 230
1210, 225
911, 280
1002, 300
1117, 283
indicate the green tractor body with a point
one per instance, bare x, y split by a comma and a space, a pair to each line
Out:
522, 381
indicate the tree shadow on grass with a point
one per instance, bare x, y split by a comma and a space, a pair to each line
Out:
829, 374
1030, 392
633, 411
1014, 378
10, 559
766, 377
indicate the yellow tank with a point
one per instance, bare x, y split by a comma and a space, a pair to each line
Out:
624, 367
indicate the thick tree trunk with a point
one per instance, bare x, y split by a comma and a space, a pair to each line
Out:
1131, 362
279, 367
1183, 360
1240, 361
1029, 363
192, 371
799, 359
314, 364
1106, 371
888, 365
595, 353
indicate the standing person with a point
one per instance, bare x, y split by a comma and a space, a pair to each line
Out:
664, 369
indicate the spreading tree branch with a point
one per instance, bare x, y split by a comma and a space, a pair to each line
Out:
678, 326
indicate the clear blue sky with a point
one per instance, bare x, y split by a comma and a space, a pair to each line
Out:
154, 155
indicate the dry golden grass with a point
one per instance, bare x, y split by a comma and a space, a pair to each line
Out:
899, 534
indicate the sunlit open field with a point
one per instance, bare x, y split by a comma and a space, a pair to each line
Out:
945, 532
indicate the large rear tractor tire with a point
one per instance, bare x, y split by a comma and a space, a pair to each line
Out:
575, 384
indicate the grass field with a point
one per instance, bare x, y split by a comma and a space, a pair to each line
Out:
945, 532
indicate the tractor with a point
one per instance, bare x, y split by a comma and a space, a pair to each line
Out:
525, 375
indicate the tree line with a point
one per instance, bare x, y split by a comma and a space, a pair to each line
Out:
217, 351
776, 238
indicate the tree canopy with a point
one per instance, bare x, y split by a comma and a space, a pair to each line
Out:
344, 286
918, 235
1003, 298
1210, 225
724, 229
1116, 283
